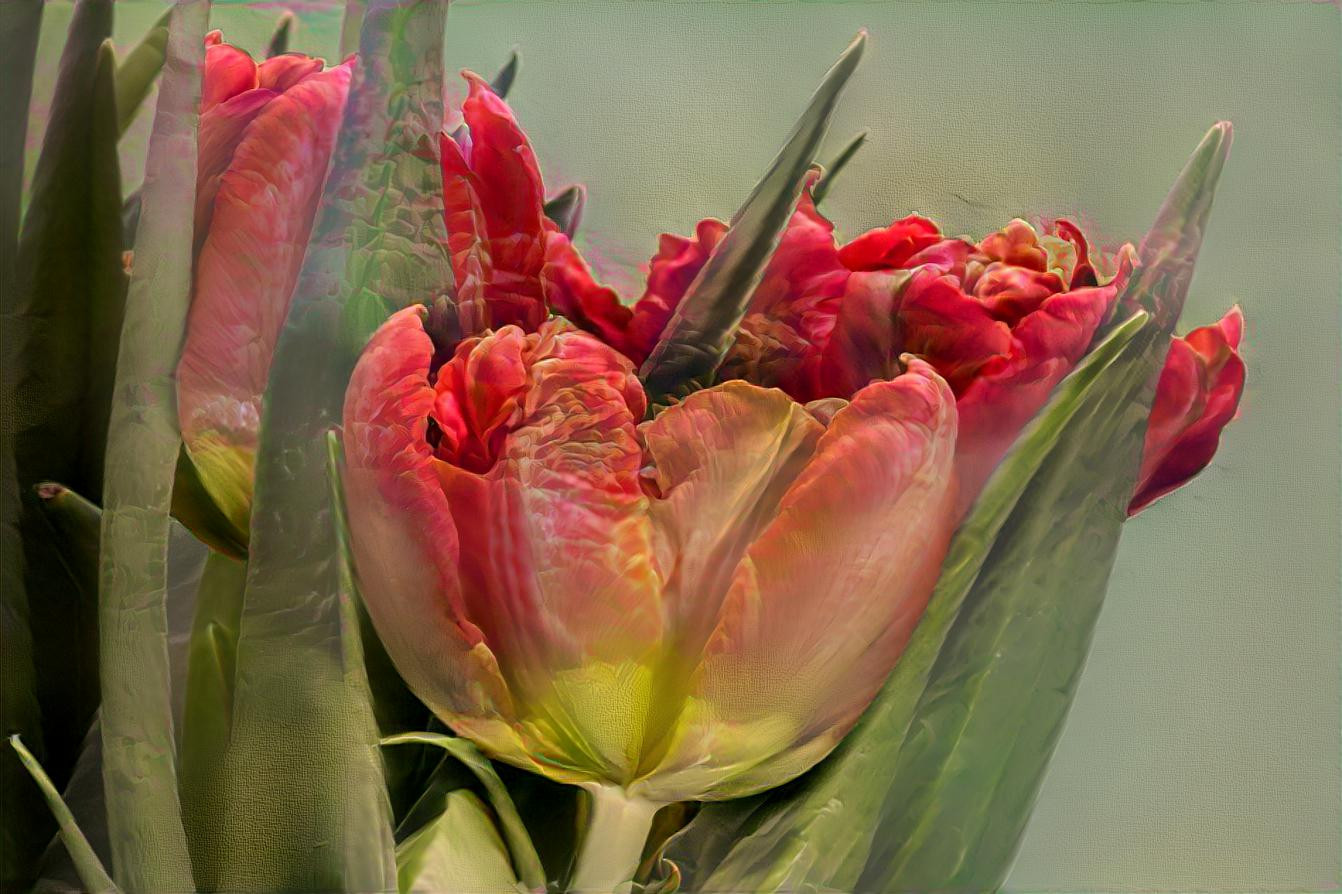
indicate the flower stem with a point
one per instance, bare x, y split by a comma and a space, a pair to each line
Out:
612, 844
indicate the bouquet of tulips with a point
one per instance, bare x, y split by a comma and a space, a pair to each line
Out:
357, 538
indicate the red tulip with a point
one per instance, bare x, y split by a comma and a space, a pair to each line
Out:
1003, 320
266, 136
1197, 395
610, 602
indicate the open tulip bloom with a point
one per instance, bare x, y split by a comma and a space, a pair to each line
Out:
676, 548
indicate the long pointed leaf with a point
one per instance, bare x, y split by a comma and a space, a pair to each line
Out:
19, 30
702, 329
279, 40
525, 859
994, 707
136, 74
818, 831
834, 168
311, 812
91, 871
139, 751
57, 290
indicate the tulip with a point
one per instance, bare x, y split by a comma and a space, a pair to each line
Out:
1197, 395
265, 141
696, 607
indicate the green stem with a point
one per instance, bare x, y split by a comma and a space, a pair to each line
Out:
612, 844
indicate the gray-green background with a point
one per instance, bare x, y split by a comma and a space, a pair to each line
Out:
1203, 749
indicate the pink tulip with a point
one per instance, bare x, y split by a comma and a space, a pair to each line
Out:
695, 607
1197, 395
266, 136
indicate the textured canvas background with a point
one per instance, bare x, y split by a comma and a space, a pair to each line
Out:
1203, 750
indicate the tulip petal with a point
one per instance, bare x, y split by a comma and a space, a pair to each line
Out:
1197, 395
221, 129
403, 538
721, 460
228, 72
281, 73
494, 204
824, 602
555, 544
245, 273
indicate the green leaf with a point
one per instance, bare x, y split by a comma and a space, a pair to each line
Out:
565, 209
19, 29
458, 851
832, 170
279, 40
138, 71
91, 871
62, 281
966, 780
139, 752
208, 713
703, 328
523, 852
817, 830
310, 812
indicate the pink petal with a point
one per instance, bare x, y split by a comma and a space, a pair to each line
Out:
890, 247
494, 198
571, 290
283, 72
221, 129
555, 544
825, 600
228, 72
404, 541
245, 272
720, 461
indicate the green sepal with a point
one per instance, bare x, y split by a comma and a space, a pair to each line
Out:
193, 506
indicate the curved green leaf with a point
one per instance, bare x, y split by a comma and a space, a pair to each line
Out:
139, 750
523, 852
91, 871
703, 328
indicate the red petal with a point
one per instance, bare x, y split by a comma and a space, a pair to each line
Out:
280, 73
676, 264
890, 247
1197, 395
